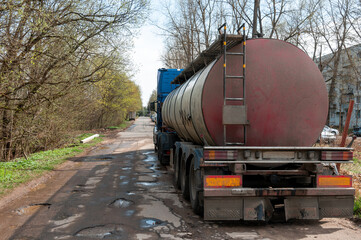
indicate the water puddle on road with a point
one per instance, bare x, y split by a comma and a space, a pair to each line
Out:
30, 209
154, 167
124, 183
151, 222
98, 158
150, 158
147, 153
129, 213
130, 193
122, 177
110, 231
126, 168
147, 184
121, 203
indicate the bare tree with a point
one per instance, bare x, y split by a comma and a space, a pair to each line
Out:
189, 31
48, 48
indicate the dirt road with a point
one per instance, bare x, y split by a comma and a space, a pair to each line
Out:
119, 191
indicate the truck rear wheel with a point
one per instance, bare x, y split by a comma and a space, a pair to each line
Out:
162, 159
160, 155
184, 179
195, 184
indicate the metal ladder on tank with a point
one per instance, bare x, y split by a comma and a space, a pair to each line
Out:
232, 110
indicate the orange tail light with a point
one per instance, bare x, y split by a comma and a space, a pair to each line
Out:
222, 181
327, 181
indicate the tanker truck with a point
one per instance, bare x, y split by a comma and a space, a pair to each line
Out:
239, 134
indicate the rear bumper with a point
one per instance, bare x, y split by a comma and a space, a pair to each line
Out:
275, 192
252, 204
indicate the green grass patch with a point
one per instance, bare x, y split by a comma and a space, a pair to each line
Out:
123, 125
354, 167
22, 170
113, 127
357, 207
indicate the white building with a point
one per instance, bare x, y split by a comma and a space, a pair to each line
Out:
348, 85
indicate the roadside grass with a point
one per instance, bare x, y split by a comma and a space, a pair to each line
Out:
21, 170
357, 207
354, 168
123, 125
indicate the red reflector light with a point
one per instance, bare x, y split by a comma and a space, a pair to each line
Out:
334, 181
334, 155
220, 154
222, 181
167, 152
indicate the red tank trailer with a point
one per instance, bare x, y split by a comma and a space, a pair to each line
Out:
240, 130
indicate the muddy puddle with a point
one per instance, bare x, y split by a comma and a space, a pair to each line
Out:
32, 208
122, 177
124, 183
121, 203
129, 213
110, 231
151, 222
147, 184
126, 168
150, 158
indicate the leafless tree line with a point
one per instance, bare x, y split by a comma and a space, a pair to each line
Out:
318, 27
55, 56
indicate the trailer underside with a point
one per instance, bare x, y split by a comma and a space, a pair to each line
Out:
273, 182
263, 204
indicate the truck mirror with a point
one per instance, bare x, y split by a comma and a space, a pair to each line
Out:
152, 106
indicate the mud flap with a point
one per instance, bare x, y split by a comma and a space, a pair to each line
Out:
301, 208
336, 206
257, 209
223, 208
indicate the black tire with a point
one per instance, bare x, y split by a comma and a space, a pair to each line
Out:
160, 155
176, 175
195, 185
184, 180
162, 159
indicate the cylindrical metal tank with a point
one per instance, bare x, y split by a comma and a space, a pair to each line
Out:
286, 98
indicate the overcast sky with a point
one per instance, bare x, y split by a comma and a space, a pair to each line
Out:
148, 47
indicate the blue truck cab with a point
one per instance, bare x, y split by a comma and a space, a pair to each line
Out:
164, 87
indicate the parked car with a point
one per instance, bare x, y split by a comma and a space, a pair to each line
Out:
330, 130
154, 117
329, 134
357, 131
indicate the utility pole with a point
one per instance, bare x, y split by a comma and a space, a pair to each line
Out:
255, 18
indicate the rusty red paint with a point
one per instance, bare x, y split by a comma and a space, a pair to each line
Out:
347, 123
345, 130
333, 155
286, 96
220, 154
